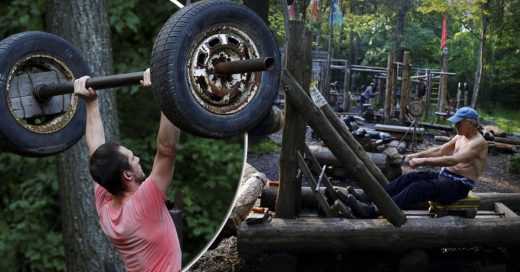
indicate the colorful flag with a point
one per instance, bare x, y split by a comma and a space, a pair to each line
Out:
314, 14
292, 13
444, 36
337, 14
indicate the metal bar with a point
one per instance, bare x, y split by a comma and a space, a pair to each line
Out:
44, 91
244, 66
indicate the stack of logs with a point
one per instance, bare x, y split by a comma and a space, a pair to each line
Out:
497, 140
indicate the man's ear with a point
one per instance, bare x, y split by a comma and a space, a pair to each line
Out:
127, 175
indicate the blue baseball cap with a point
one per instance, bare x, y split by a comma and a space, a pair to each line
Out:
464, 112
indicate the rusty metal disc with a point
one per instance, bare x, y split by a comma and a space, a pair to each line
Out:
416, 108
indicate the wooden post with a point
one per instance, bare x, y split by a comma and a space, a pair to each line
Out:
466, 94
319, 123
405, 87
444, 81
346, 87
298, 60
260, 7
428, 92
459, 94
389, 87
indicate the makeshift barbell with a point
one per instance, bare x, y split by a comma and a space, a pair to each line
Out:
206, 71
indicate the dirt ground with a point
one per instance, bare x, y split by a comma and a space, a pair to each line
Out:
495, 178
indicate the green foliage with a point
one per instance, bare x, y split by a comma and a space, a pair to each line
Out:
263, 147
208, 173
30, 228
507, 120
513, 164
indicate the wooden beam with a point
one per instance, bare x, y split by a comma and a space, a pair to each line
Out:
322, 200
356, 147
299, 62
340, 235
405, 86
501, 208
317, 120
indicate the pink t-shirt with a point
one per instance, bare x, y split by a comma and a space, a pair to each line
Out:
142, 231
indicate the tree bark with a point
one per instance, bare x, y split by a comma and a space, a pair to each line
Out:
400, 33
288, 203
480, 58
343, 235
85, 24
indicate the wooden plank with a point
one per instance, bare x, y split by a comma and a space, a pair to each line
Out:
319, 123
340, 235
501, 208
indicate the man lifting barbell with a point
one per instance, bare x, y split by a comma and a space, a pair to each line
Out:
462, 160
130, 205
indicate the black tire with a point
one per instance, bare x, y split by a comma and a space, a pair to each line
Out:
47, 50
171, 75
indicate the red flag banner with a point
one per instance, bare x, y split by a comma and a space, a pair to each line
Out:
444, 36
314, 16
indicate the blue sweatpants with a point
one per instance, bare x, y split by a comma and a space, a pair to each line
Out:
416, 187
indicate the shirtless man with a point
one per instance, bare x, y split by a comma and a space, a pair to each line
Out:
462, 160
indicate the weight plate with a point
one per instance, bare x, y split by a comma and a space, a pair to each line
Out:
29, 127
416, 108
185, 52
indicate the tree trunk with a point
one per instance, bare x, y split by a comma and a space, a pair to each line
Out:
85, 24
399, 35
478, 72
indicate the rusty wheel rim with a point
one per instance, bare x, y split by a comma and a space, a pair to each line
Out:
222, 94
36, 63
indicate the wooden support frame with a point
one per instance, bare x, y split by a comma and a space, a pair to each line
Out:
329, 211
318, 121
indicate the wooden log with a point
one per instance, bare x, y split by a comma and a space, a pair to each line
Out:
319, 123
270, 124
308, 201
325, 156
405, 86
501, 208
248, 194
508, 140
356, 147
299, 62
400, 129
340, 235
441, 139
506, 148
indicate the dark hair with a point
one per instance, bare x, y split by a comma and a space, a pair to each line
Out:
106, 166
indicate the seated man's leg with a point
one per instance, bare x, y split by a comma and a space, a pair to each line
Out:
399, 184
416, 192
450, 191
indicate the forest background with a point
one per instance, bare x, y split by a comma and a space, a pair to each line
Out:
480, 33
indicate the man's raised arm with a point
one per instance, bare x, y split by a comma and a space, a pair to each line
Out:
94, 132
167, 145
